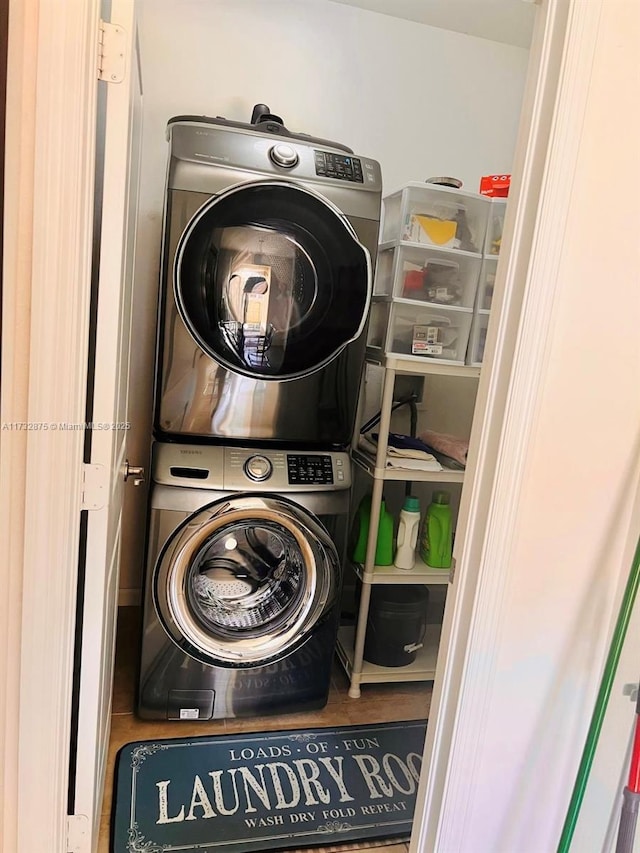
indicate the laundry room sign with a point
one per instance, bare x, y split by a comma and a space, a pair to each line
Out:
268, 791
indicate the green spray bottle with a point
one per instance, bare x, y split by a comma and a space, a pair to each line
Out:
437, 533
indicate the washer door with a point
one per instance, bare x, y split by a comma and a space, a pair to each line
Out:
271, 281
244, 580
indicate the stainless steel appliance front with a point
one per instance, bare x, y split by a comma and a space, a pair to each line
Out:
242, 587
266, 281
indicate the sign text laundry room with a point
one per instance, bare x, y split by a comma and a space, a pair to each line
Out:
270, 791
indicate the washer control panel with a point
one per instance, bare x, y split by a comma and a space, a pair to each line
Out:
285, 470
314, 470
215, 467
338, 166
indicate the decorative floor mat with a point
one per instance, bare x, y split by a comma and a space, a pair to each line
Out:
371, 844
285, 790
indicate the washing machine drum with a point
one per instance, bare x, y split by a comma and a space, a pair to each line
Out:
245, 580
271, 281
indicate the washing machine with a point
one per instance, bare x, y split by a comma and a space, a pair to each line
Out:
242, 588
266, 281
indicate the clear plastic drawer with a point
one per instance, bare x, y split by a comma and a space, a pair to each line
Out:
383, 281
497, 210
378, 324
437, 216
423, 331
435, 276
477, 340
487, 282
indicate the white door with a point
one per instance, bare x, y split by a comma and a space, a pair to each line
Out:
106, 449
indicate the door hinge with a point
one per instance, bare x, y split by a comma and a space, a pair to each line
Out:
94, 490
452, 570
111, 53
77, 833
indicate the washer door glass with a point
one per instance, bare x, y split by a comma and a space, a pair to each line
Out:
245, 579
271, 281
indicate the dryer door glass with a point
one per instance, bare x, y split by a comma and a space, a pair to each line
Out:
271, 281
245, 579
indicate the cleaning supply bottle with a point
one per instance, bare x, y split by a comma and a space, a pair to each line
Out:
436, 540
384, 544
408, 527
360, 530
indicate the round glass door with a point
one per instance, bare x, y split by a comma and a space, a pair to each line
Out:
244, 580
271, 281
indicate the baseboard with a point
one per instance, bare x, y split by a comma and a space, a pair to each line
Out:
129, 597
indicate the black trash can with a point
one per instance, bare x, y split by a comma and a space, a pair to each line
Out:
396, 624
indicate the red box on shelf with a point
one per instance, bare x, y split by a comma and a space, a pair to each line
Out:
495, 186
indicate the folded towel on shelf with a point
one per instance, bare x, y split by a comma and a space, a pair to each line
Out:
449, 445
410, 458
405, 445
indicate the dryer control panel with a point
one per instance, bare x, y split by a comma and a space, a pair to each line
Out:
338, 166
207, 159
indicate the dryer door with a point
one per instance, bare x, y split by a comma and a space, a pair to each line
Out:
271, 281
245, 579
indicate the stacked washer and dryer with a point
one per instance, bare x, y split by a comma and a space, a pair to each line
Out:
266, 280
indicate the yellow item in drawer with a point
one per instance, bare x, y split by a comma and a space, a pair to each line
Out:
427, 229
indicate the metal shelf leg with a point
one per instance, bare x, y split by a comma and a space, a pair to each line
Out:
376, 498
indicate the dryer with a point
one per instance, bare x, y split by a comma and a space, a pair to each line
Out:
241, 594
266, 280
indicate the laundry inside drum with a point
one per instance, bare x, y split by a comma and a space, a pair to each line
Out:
246, 579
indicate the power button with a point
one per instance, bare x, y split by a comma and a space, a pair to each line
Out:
258, 468
284, 155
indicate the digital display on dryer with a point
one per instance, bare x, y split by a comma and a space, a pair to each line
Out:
338, 166
309, 470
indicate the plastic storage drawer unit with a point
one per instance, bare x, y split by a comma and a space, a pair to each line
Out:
478, 337
427, 214
497, 210
425, 331
487, 282
378, 324
428, 274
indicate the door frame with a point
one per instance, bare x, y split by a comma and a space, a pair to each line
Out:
51, 116
50, 143
527, 285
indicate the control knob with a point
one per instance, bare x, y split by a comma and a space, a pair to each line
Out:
284, 155
258, 468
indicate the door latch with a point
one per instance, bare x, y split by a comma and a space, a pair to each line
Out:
134, 471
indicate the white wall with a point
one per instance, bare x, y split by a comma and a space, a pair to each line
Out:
423, 101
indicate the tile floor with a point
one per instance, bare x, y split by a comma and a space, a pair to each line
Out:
378, 703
